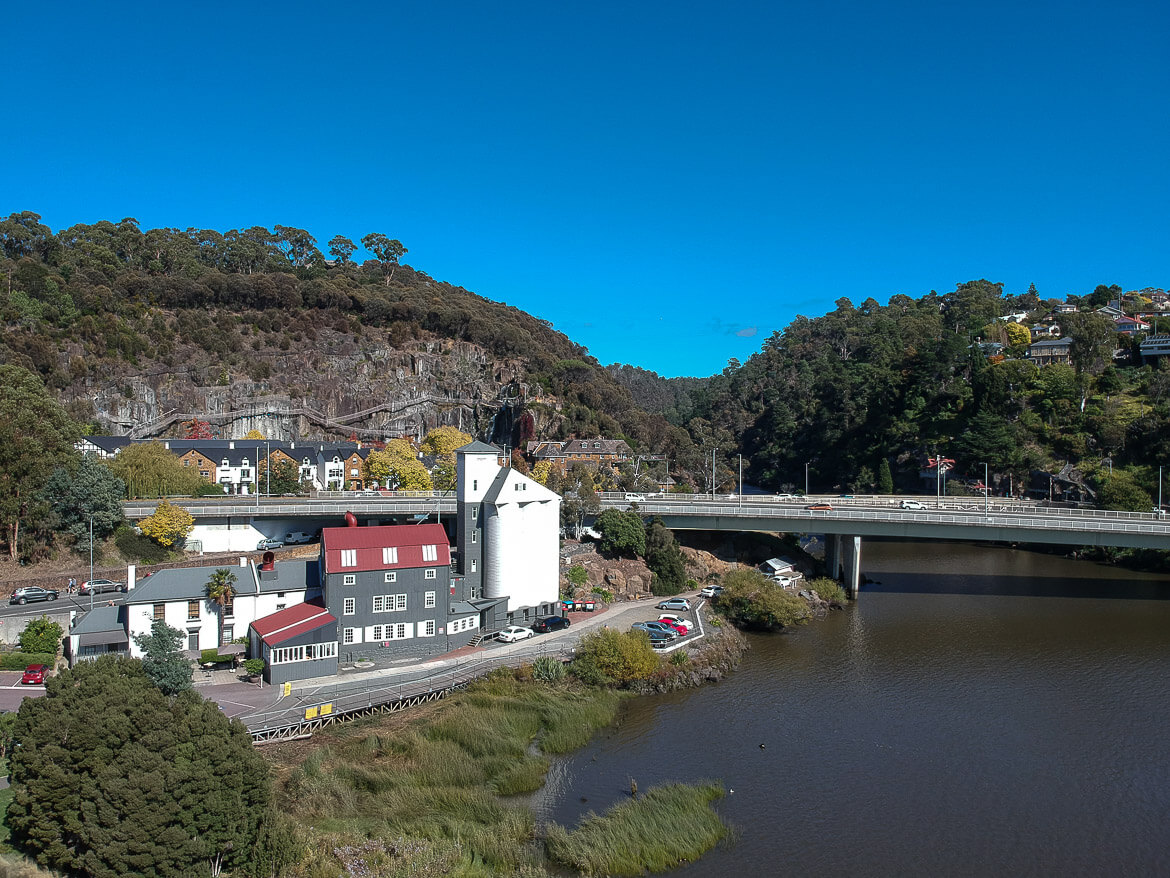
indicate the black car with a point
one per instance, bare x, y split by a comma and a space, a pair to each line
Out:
552, 623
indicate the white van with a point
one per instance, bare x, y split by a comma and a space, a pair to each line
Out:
635, 498
297, 538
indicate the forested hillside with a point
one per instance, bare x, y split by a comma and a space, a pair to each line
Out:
125, 325
874, 385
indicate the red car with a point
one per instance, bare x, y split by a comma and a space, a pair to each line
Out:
682, 630
34, 674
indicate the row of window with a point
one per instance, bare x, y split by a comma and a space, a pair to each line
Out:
469, 623
160, 611
393, 631
389, 555
388, 576
308, 653
386, 603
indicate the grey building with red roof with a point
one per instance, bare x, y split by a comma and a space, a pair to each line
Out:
297, 642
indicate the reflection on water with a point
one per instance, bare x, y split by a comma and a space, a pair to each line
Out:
979, 711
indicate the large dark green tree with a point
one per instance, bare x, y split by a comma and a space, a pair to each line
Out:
622, 533
114, 778
665, 559
87, 489
36, 437
162, 660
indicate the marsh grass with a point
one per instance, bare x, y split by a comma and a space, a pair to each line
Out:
440, 780
666, 827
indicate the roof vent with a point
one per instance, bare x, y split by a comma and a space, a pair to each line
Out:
350, 520
268, 562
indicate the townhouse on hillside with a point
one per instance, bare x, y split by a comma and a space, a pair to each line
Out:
1050, 351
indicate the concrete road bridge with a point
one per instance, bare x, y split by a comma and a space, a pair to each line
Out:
844, 521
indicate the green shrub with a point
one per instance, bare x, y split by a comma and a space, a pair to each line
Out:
18, 661
548, 669
829, 589
212, 657
139, 548
751, 600
41, 635
679, 657
620, 656
254, 667
578, 575
605, 594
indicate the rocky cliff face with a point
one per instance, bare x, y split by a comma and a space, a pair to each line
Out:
336, 384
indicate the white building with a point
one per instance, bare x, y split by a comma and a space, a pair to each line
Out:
179, 598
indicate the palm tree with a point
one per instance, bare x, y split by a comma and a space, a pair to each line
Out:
221, 589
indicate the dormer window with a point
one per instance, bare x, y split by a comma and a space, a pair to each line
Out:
224, 462
349, 557
430, 553
390, 555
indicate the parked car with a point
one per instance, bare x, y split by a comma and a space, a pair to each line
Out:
297, 538
34, 674
678, 620
657, 638
269, 543
97, 586
674, 604
551, 623
679, 628
31, 593
665, 630
513, 633
711, 591
913, 504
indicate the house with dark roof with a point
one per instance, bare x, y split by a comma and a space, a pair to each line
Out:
97, 632
595, 452
1049, 351
1130, 325
179, 598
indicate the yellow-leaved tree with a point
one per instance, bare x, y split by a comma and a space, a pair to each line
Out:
255, 434
168, 524
443, 442
397, 466
1017, 334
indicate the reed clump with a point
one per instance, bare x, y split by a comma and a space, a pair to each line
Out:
659, 830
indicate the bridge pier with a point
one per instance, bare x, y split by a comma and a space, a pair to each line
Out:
833, 556
851, 556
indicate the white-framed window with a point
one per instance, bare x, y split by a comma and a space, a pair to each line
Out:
376, 632
312, 652
401, 631
349, 579
474, 564
350, 636
474, 513
389, 554
427, 629
474, 537
349, 606
388, 603
429, 600
391, 577
349, 557
430, 553
429, 573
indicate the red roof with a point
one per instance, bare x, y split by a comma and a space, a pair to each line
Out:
368, 542
297, 619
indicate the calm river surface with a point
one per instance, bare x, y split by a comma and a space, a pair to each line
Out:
979, 711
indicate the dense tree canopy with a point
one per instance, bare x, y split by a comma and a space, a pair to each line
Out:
113, 778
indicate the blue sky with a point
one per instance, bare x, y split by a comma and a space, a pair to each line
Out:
668, 183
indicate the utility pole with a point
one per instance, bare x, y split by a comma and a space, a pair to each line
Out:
741, 479
986, 492
806, 477
91, 560
712, 473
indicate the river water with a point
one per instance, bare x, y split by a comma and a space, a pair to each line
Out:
979, 711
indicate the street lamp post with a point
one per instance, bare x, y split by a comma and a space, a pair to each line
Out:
986, 492
91, 560
1159, 490
712, 473
806, 477
268, 466
741, 480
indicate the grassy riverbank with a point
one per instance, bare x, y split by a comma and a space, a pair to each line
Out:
428, 794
